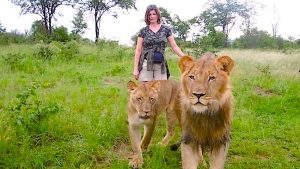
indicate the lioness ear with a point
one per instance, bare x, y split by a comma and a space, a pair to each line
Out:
155, 85
131, 85
226, 64
184, 63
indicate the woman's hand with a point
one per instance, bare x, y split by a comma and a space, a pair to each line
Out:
136, 74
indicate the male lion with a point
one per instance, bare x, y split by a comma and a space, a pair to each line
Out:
207, 109
146, 101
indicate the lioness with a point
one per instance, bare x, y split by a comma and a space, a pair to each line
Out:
207, 109
146, 101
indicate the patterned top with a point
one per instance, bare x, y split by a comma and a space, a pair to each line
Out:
153, 42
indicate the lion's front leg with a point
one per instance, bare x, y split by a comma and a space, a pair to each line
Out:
171, 118
135, 138
189, 155
218, 156
148, 132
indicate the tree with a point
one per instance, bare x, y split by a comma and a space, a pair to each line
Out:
180, 28
225, 14
255, 38
211, 42
44, 8
38, 31
101, 7
79, 25
166, 17
2, 29
275, 22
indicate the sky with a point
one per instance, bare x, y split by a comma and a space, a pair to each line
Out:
129, 23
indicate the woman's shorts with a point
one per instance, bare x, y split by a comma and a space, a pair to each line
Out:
154, 74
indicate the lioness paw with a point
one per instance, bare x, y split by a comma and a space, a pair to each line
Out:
136, 162
164, 142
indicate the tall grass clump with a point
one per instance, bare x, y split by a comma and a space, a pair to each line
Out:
44, 51
21, 62
13, 60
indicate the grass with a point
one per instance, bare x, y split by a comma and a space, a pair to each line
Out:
71, 113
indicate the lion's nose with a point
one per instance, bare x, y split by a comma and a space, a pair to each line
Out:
198, 95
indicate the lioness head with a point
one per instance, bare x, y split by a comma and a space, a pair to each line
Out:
205, 82
143, 97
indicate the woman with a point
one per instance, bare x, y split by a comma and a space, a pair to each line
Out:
149, 60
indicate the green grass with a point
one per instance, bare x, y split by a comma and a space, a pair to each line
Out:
71, 113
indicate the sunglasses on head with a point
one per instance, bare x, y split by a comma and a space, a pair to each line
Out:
151, 7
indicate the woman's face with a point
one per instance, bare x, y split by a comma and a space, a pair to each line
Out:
152, 16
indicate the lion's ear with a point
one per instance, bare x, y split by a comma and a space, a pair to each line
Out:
184, 63
131, 85
155, 85
226, 64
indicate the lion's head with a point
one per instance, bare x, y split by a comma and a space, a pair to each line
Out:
143, 97
205, 82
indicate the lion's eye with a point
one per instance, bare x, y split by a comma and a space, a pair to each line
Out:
152, 99
192, 77
211, 78
139, 99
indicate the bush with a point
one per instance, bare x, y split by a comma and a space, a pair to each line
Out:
68, 50
27, 111
256, 39
38, 31
107, 44
43, 51
7, 38
14, 60
60, 34
211, 43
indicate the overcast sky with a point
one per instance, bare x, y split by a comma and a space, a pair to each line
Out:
127, 24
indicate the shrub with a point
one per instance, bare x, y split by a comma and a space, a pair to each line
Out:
107, 44
210, 43
65, 51
69, 50
60, 34
14, 60
7, 38
27, 111
43, 51
38, 31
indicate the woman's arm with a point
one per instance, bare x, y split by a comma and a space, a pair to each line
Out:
137, 56
174, 46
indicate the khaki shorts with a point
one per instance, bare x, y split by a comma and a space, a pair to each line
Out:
154, 74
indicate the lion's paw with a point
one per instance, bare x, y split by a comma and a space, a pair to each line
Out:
136, 162
164, 142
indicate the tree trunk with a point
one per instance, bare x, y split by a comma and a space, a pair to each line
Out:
226, 41
97, 32
225, 34
50, 26
46, 25
96, 26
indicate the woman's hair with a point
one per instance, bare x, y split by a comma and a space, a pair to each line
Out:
150, 8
